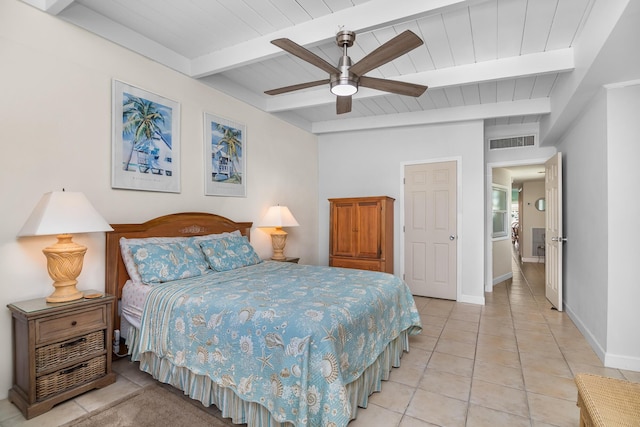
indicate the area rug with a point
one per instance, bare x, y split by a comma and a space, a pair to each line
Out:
153, 406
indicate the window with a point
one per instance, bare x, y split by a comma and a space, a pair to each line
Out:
499, 209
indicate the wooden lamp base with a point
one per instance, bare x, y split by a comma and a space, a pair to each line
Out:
64, 263
278, 241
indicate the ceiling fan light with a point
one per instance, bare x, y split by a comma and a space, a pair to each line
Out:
344, 88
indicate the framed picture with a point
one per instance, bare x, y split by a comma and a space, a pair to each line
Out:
225, 156
145, 140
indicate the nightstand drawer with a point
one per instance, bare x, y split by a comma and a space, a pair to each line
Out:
70, 325
59, 381
53, 355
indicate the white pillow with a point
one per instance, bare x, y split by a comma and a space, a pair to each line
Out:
127, 254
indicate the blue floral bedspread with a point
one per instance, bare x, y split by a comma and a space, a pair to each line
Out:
289, 337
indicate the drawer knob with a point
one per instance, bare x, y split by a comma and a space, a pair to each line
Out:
74, 323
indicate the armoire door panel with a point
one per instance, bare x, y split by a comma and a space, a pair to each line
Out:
343, 237
368, 234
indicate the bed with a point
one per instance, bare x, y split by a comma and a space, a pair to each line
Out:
269, 343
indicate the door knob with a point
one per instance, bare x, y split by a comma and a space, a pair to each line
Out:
559, 239
452, 237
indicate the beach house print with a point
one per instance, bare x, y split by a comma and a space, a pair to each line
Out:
226, 152
146, 136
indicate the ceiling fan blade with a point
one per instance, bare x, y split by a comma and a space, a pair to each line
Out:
397, 46
401, 88
302, 53
343, 104
296, 87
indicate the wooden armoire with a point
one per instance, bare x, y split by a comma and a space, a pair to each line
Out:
361, 233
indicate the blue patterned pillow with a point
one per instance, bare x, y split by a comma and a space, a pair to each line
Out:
130, 264
163, 262
196, 257
229, 253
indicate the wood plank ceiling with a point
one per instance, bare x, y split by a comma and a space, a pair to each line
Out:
496, 60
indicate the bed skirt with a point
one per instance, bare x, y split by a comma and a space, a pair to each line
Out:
202, 389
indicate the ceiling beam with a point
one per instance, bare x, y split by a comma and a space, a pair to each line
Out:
52, 7
126, 37
365, 17
444, 115
555, 61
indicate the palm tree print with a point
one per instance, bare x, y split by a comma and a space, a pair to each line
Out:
143, 120
230, 138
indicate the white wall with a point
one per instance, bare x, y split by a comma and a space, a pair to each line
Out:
502, 246
623, 176
370, 163
585, 220
601, 171
55, 113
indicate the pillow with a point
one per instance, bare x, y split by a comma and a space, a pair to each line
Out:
229, 253
127, 256
164, 262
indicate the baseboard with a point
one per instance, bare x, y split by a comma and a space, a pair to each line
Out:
616, 361
595, 345
471, 299
533, 259
622, 362
502, 278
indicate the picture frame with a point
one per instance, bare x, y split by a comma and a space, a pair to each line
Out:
145, 140
225, 156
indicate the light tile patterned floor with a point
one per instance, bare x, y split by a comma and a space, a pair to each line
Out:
508, 363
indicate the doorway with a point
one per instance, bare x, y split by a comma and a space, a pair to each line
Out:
546, 241
525, 226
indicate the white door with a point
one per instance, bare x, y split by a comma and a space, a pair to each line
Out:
430, 240
553, 233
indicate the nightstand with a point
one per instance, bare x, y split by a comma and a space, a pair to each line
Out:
288, 259
60, 350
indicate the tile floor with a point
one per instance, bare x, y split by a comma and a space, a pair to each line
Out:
508, 363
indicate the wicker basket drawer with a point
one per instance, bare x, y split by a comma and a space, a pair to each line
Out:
57, 382
56, 354
70, 325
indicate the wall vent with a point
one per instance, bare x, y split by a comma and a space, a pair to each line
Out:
513, 142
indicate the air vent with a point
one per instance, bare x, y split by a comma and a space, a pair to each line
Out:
514, 142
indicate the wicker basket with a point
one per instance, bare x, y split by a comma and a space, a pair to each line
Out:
608, 401
56, 354
48, 385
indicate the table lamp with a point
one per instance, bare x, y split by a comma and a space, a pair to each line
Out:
62, 213
278, 217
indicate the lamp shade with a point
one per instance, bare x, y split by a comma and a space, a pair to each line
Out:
278, 216
64, 212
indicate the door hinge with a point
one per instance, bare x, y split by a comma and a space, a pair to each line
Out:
403, 229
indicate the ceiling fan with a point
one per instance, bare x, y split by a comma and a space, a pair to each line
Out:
346, 77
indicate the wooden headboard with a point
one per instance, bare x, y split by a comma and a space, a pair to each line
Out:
175, 225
